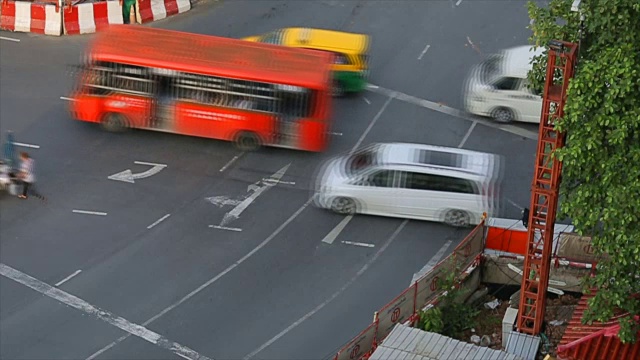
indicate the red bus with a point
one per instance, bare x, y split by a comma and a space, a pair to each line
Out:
250, 93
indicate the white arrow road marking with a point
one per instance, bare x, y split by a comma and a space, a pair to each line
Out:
106, 316
235, 213
128, 176
333, 234
221, 201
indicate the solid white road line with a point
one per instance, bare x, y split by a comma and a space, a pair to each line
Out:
358, 244
335, 232
9, 39
432, 262
106, 316
26, 145
335, 295
225, 228
212, 280
230, 162
90, 212
466, 136
158, 221
373, 122
533, 135
366, 100
426, 48
68, 278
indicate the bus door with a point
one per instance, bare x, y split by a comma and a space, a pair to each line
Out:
293, 108
164, 103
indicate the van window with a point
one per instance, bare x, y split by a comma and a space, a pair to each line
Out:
507, 83
431, 182
382, 178
440, 158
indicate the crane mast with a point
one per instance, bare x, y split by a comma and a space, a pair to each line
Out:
561, 63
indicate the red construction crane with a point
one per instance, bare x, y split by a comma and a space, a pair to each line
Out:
546, 183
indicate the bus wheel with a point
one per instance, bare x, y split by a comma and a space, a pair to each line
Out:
337, 90
247, 141
114, 122
457, 218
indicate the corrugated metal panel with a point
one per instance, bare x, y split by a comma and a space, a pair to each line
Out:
595, 341
406, 343
523, 345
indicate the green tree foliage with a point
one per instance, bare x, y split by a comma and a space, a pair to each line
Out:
601, 161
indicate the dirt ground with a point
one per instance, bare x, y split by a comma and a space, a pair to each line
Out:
489, 322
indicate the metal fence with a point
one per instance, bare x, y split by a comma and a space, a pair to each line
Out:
424, 291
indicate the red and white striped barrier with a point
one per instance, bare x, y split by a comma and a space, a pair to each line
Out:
29, 17
92, 17
152, 10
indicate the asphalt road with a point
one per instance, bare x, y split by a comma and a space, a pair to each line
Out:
273, 289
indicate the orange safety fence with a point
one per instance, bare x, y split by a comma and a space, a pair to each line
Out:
406, 306
39, 2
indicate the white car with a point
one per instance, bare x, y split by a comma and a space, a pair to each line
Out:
498, 87
412, 181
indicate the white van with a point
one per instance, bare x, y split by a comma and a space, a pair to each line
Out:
412, 181
498, 87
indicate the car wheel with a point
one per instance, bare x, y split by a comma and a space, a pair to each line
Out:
457, 218
114, 122
503, 115
344, 206
337, 90
247, 141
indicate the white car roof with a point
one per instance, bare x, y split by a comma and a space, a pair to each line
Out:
517, 60
441, 157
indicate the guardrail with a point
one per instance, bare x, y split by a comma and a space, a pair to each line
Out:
423, 292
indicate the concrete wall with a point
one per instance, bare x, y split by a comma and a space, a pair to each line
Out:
495, 271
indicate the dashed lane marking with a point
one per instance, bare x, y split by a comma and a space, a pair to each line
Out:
9, 39
158, 221
99, 213
230, 162
358, 244
466, 136
225, 228
426, 48
68, 278
26, 145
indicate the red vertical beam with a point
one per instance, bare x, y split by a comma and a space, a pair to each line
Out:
545, 187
